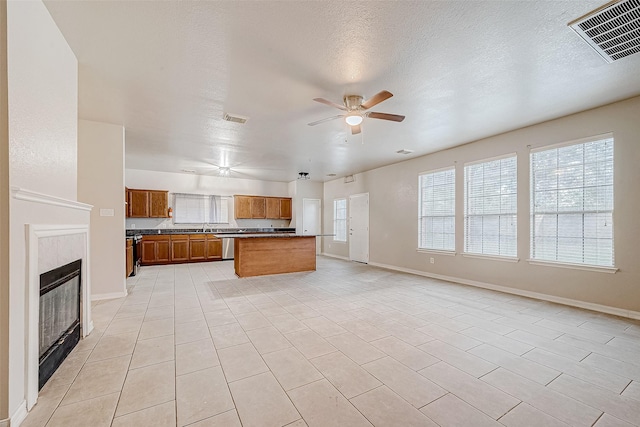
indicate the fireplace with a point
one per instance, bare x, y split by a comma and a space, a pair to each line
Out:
59, 317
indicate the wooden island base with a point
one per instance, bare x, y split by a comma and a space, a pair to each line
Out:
257, 256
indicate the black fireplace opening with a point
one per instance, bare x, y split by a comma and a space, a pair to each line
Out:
59, 325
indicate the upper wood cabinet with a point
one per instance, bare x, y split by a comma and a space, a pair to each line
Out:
257, 207
138, 204
147, 203
242, 207
285, 208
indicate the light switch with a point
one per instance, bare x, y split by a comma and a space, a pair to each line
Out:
106, 212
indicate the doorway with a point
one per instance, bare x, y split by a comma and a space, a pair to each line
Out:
311, 223
359, 227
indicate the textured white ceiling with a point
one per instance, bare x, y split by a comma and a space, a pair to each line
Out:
459, 70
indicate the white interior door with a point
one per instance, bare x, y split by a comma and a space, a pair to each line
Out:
359, 227
311, 224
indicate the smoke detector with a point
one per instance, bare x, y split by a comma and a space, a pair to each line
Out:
235, 118
612, 30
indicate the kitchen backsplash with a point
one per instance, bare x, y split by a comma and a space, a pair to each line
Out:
147, 223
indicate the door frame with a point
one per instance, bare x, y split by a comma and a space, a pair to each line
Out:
319, 213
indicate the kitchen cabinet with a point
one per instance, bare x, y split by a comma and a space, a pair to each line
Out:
158, 204
213, 248
257, 207
129, 258
242, 207
138, 204
197, 247
147, 203
179, 247
285, 208
155, 249
273, 207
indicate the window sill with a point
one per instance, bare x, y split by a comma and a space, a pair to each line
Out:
585, 267
492, 257
436, 251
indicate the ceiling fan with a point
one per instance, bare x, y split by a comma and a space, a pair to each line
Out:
355, 110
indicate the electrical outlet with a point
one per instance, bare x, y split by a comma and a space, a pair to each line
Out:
133, 226
431, 260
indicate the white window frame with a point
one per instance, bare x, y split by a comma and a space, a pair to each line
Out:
537, 215
511, 216
426, 214
338, 221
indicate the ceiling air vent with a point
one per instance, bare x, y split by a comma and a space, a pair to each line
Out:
404, 151
235, 119
612, 30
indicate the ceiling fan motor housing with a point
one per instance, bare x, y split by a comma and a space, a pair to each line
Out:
353, 102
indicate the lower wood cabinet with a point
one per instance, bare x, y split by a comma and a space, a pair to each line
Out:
179, 248
156, 249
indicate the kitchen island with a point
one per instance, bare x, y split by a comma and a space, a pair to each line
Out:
273, 253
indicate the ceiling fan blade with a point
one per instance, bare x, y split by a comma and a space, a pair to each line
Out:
376, 99
325, 120
355, 130
386, 116
329, 103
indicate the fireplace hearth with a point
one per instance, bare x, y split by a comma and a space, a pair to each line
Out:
59, 323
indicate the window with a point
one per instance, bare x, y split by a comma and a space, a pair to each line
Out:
340, 220
572, 203
490, 207
437, 205
200, 209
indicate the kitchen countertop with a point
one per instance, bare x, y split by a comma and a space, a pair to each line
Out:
221, 232
269, 235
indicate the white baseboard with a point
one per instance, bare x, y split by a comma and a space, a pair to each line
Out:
112, 295
18, 416
4, 423
336, 256
521, 292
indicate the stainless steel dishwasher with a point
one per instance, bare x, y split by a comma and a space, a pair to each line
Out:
227, 247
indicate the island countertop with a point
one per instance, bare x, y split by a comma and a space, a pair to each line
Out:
268, 235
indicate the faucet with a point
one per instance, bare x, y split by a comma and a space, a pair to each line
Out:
205, 226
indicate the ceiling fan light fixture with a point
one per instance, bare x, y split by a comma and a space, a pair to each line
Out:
353, 119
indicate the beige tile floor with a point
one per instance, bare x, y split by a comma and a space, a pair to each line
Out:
347, 345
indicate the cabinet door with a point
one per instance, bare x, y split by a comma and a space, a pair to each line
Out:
196, 248
148, 252
214, 248
138, 204
273, 208
180, 250
258, 207
285, 208
162, 251
242, 207
158, 204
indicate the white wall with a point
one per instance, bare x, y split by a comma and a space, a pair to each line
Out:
393, 196
201, 184
4, 221
43, 111
101, 184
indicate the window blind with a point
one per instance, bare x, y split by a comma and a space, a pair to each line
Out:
437, 204
490, 207
572, 203
200, 209
340, 220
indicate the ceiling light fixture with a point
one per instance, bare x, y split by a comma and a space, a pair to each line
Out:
353, 119
303, 175
224, 171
